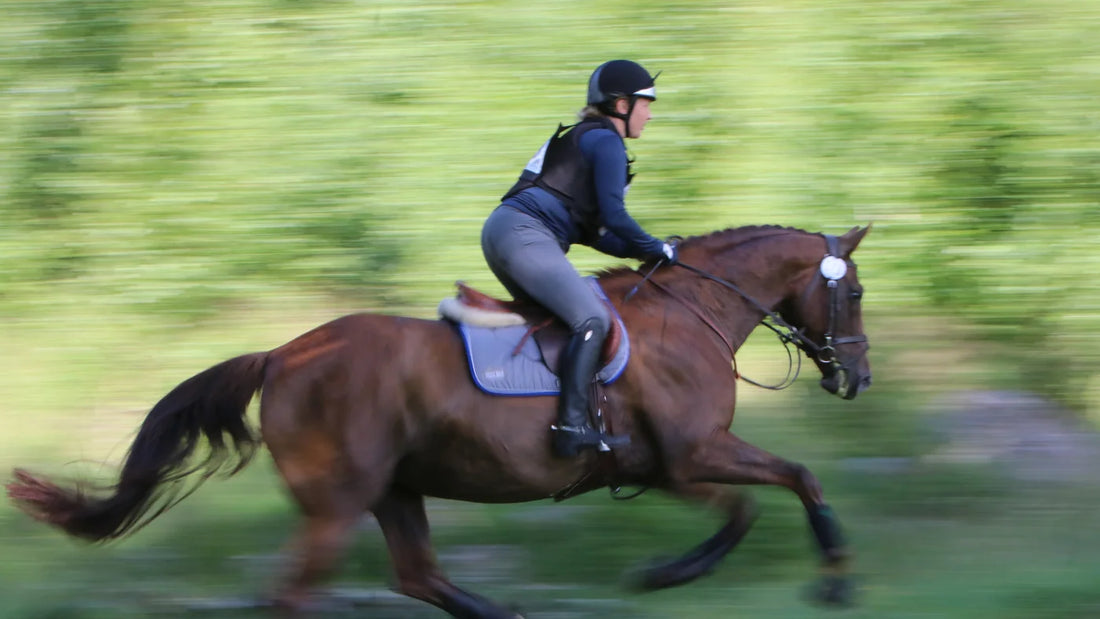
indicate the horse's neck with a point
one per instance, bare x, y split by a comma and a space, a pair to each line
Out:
764, 272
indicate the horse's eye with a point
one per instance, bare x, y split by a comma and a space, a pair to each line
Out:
856, 295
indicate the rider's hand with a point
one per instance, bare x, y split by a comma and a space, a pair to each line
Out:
671, 253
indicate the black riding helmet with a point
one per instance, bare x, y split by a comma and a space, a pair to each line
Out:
616, 79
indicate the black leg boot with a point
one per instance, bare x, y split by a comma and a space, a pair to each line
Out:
579, 364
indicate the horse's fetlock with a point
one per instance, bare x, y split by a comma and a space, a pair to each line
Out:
806, 480
835, 561
416, 586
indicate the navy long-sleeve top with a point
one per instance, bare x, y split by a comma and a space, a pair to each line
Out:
619, 234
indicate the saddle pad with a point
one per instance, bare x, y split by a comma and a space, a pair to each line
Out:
496, 370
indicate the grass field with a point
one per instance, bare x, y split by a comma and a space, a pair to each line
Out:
981, 553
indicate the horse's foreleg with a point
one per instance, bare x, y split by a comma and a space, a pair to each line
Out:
728, 459
405, 525
699, 561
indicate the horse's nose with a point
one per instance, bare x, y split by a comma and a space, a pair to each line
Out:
864, 383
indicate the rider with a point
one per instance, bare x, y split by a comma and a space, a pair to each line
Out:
572, 192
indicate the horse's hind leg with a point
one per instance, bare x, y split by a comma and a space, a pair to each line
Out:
699, 561
317, 550
405, 525
332, 499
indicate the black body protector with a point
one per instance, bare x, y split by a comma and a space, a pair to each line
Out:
560, 168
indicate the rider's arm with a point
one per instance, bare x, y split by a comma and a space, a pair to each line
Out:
609, 243
607, 157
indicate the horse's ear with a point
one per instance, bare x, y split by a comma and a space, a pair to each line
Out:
850, 240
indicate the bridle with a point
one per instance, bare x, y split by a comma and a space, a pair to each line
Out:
832, 260
833, 268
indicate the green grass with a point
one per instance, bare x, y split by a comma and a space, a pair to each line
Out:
1026, 553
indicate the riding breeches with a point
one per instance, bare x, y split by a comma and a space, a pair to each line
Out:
528, 260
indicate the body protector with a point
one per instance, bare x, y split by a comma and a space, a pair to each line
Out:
559, 168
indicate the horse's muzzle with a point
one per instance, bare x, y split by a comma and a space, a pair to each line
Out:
846, 384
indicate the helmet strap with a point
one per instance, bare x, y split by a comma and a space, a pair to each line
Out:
609, 110
629, 113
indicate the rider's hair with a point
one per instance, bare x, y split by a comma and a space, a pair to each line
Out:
590, 111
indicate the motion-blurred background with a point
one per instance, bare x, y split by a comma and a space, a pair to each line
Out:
185, 181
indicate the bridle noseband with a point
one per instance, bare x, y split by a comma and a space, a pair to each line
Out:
833, 268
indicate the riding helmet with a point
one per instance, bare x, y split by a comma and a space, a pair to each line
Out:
620, 78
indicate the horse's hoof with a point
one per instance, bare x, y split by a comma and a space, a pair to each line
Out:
837, 591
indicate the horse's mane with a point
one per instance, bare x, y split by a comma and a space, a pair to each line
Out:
719, 240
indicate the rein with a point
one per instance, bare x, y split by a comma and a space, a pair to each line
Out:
793, 360
699, 314
791, 335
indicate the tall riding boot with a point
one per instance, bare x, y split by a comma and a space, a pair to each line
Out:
579, 364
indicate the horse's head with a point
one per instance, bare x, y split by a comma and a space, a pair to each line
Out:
826, 308
806, 283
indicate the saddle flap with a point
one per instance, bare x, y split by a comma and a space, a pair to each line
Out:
553, 338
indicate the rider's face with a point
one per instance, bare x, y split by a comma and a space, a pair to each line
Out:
638, 118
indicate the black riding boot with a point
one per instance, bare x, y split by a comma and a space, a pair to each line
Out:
579, 364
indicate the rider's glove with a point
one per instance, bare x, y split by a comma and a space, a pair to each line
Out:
672, 255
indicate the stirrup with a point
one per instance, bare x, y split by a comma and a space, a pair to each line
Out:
570, 440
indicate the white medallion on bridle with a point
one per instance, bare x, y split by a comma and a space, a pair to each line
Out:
833, 268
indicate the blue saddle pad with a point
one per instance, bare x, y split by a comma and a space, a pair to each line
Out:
498, 368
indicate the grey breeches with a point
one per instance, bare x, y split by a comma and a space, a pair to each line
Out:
528, 260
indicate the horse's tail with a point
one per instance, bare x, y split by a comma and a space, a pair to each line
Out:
211, 404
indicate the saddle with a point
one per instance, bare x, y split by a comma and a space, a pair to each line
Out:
515, 348
475, 308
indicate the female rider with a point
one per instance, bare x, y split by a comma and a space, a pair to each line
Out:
572, 192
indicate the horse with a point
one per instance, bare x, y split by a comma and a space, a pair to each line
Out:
373, 413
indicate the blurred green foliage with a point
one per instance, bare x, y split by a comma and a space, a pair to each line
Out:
353, 148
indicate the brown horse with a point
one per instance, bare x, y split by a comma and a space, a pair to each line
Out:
371, 413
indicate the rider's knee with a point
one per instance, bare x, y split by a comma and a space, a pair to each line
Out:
598, 325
